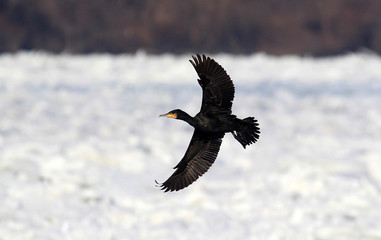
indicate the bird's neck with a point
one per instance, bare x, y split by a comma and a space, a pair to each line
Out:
187, 118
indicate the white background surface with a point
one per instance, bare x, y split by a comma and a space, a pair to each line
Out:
81, 145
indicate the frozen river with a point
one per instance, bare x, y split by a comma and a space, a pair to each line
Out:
81, 146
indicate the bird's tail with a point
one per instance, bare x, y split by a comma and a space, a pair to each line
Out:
247, 131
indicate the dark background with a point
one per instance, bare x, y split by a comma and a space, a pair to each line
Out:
315, 27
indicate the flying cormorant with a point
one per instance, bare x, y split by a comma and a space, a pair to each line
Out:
211, 123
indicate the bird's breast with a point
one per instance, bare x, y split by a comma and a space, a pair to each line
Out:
212, 124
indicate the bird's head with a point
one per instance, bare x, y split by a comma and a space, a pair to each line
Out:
177, 114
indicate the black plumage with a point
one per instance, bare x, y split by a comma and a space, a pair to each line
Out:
211, 124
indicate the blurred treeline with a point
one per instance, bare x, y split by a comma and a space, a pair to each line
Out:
317, 27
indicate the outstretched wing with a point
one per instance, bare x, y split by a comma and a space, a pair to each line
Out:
217, 87
200, 155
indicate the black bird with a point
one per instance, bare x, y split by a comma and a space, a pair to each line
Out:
211, 123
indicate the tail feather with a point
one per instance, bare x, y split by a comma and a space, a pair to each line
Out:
247, 132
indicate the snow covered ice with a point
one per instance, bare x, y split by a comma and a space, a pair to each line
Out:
81, 146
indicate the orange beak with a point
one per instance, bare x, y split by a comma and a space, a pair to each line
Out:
169, 115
